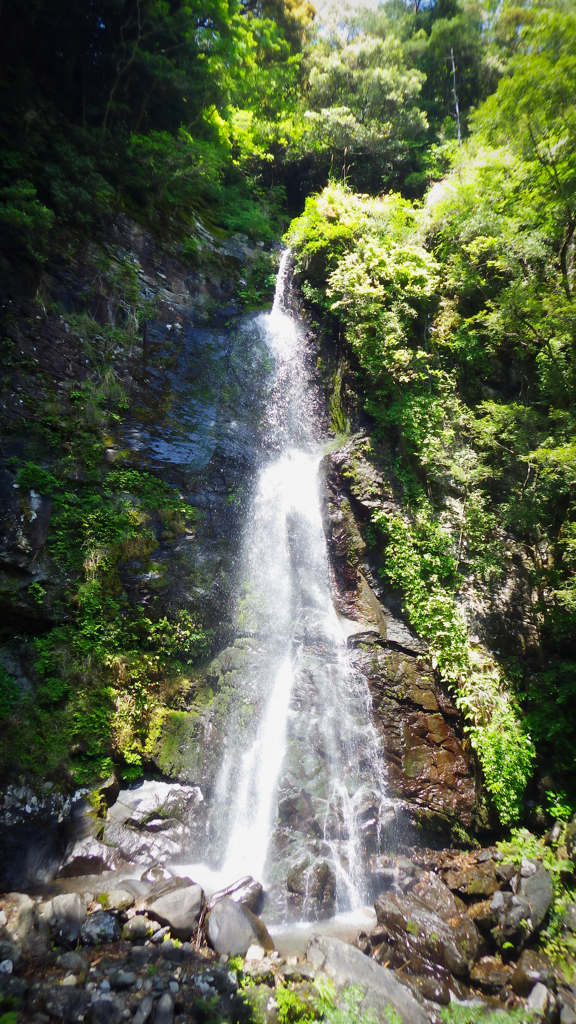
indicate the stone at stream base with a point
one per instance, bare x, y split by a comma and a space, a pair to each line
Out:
416, 931
99, 927
31, 928
67, 1004
87, 857
490, 974
232, 929
346, 966
104, 1011
311, 885
521, 915
119, 899
569, 921
246, 891
165, 1009
10, 949
65, 915
137, 929
532, 968
180, 910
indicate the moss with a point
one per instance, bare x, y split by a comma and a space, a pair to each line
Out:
175, 746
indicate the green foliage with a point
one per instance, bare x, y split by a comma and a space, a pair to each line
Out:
291, 1009
11, 1017
557, 941
559, 807
9, 693
457, 1014
25, 218
260, 285
461, 317
346, 1008
103, 676
421, 563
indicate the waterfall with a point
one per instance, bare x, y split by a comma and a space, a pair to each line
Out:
299, 724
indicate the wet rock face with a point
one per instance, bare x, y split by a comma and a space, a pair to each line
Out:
233, 929
429, 763
417, 931
347, 966
34, 835
180, 910
311, 884
152, 822
521, 914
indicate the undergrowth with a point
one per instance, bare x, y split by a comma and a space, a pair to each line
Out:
109, 665
420, 561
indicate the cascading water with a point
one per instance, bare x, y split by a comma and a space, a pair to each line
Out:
299, 732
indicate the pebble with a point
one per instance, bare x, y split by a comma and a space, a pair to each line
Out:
70, 981
174, 987
538, 999
165, 1009
255, 953
6, 967
123, 980
144, 1010
105, 985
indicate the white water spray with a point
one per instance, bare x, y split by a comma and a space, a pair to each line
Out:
301, 722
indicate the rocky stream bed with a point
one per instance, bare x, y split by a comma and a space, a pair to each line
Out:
107, 942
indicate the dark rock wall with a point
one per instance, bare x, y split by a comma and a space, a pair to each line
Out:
430, 765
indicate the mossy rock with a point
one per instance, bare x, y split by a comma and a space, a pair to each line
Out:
177, 750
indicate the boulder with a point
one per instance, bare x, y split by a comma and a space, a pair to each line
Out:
232, 929
312, 886
87, 857
532, 968
539, 892
473, 879
105, 1011
437, 896
246, 891
152, 800
490, 974
505, 873
540, 1001
433, 989
65, 915
414, 930
180, 910
123, 980
137, 929
570, 839
99, 927
481, 914
164, 1009
144, 1010
67, 1004
10, 948
570, 917
119, 900
347, 966
521, 915
72, 961
109, 791
32, 930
